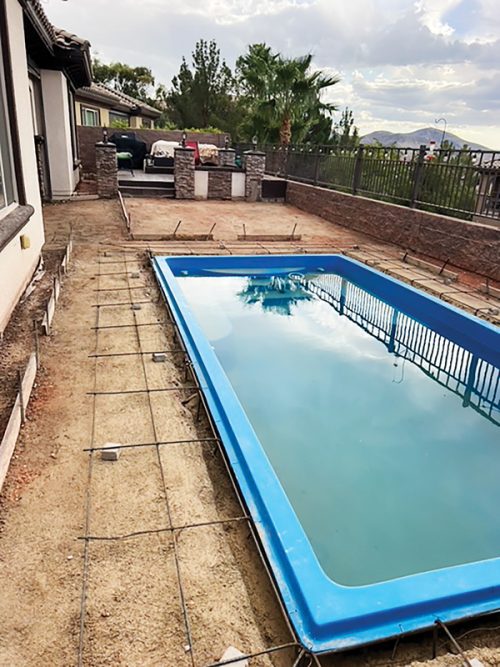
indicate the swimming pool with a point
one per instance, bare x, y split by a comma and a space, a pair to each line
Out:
360, 418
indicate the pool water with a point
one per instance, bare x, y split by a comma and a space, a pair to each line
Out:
383, 434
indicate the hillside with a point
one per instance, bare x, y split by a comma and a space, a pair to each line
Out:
417, 138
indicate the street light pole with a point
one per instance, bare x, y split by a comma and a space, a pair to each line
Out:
439, 120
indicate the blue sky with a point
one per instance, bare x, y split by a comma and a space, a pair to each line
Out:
403, 63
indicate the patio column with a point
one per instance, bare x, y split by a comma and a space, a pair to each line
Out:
255, 164
184, 172
106, 170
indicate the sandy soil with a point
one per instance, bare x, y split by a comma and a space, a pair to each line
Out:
17, 341
133, 614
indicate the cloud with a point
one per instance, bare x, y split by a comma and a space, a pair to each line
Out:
402, 61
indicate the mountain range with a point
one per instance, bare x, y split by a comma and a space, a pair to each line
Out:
417, 138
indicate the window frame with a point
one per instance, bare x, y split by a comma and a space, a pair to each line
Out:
72, 126
9, 120
83, 111
118, 115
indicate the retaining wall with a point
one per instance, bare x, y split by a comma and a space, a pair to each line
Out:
469, 245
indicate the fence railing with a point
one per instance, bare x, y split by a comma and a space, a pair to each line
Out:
461, 183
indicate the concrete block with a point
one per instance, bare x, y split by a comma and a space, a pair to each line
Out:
159, 357
110, 454
231, 653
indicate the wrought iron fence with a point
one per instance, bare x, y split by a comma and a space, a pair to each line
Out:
462, 183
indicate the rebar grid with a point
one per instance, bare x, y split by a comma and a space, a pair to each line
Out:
182, 597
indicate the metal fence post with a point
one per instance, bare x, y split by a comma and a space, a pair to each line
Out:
316, 167
418, 174
358, 168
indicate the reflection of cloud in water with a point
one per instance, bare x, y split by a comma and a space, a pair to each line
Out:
205, 299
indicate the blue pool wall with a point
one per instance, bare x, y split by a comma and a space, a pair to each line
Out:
328, 616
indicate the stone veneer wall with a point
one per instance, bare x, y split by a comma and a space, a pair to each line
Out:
107, 170
255, 166
220, 184
184, 173
469, 245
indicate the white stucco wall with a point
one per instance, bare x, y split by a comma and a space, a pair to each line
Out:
200, 184
16, 265
63, 177
238, 185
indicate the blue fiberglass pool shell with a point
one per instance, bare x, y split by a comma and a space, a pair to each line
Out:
326, 615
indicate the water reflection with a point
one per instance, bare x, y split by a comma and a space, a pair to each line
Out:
275, 294
449, 364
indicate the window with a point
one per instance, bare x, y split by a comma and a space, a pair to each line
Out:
7, 180
118, 120
90, 117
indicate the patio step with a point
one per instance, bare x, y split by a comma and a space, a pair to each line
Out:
145, 182
141, 190
159, 170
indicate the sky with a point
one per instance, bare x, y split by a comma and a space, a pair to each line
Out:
403, 63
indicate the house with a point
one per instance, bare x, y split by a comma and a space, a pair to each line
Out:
99, 105
40, 69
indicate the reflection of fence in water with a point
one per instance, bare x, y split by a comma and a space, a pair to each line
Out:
474, 379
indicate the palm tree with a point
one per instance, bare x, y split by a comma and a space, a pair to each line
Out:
283, 94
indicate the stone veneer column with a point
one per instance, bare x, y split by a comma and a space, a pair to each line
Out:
106, 169
255, 164
227, 157
184, 172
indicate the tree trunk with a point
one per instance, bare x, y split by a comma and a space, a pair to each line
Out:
286, 130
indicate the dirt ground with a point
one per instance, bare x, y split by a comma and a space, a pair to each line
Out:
56, 493
153, 216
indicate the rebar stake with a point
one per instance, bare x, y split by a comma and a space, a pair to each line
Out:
37, 343
21, 398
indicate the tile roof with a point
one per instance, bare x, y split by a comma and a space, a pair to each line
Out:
63, 48
119, 98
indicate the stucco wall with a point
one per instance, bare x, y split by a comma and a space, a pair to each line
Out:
63, 175
469, 245
17, 265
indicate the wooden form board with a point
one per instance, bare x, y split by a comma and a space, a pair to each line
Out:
11, 434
